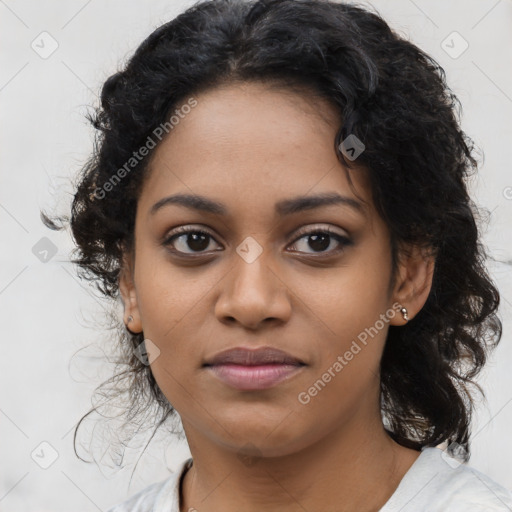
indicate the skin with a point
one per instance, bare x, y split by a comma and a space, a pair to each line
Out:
249, 146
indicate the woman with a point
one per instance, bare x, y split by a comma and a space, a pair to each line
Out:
278, 198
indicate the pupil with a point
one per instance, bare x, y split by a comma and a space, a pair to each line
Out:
199, 241
319, 242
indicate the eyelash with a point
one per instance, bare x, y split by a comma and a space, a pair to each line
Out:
302, 233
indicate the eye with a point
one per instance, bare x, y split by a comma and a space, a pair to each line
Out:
183, 238
190, 240
320, 240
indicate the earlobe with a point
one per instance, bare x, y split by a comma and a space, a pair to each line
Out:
129, 296
413, 283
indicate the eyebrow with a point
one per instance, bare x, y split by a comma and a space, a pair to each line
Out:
282, 208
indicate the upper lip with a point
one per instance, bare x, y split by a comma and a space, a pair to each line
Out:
251, 357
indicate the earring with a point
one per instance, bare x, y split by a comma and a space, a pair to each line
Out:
130, 319
404, 314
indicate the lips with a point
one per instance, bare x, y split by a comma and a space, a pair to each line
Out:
253, 369
253, 357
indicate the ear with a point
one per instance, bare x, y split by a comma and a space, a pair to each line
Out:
413, 281
129, 295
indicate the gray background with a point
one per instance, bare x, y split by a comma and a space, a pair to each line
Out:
51, 355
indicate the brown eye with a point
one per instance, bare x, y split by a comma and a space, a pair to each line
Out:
319, 241
189, 240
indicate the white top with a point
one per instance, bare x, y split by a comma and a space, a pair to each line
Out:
434, 483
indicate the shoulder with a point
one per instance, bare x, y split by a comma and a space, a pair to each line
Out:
437, 482
158, 497
467, 487
143, 501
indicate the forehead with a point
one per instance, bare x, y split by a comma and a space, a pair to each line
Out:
249, 143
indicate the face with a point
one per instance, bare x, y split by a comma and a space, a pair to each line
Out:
255, 271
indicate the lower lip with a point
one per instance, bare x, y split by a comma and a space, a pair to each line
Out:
254, 377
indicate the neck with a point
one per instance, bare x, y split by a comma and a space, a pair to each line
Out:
345, 471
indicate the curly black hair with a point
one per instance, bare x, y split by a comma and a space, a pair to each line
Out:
390, 95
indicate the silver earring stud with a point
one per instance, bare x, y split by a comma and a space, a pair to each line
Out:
130, 319
404, 314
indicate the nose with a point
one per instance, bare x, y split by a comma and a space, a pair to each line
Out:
253, 294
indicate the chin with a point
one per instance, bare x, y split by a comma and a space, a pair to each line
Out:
264, 439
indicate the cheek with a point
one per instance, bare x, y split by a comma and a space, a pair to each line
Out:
171, 303
348, 298
347, 316
166, 293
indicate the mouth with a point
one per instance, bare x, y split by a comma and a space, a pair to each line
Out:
253, 369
